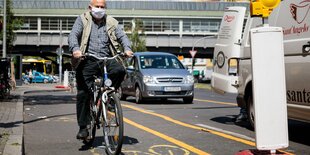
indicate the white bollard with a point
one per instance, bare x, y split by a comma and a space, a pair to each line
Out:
269, 88
66, 78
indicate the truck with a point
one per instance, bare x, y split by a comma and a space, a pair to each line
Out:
233, 44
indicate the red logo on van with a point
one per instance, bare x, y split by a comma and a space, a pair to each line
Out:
300, 11
229, 18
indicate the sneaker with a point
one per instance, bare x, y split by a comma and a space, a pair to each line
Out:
82, 134
241, 117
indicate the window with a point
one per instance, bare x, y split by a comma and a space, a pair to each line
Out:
30, 23
201, 25
160, 62
160, 25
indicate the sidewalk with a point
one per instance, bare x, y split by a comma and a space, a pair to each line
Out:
11, 117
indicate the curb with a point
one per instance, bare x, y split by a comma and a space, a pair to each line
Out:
15, 142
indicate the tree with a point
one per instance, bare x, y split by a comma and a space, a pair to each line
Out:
137, 40
12, 23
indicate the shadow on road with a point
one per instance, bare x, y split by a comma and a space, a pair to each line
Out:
299, 132
231, 120
98, 143
130, 141
45, 99
48, 117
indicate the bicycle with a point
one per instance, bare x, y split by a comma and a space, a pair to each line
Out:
106, 110
72, 81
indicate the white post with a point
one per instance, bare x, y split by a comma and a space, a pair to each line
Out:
60, 52
66, 78
4, 30
269, 88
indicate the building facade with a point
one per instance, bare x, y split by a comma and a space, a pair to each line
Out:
173, 26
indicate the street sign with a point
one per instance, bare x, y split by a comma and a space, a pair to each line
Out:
59, 51
193, 53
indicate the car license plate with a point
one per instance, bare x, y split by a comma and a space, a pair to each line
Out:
172, 89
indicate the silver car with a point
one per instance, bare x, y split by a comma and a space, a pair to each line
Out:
157, 75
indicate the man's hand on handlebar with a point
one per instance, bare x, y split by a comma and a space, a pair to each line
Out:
77, 54
128, 53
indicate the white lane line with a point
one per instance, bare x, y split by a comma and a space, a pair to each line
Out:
227, 132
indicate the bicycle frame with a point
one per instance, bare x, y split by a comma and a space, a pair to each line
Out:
104, 88
103, 92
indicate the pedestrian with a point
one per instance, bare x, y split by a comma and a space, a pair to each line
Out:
96, 33
30, 76
242, 116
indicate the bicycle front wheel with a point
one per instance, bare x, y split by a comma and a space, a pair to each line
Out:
114, 126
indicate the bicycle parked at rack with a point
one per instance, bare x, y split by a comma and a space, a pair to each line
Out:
5, 79
106, 111
72, 81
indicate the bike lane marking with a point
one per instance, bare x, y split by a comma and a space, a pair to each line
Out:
217, 102
158, 150
191, 126
166, 137
227, 136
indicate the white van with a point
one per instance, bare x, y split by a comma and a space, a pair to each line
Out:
233, 44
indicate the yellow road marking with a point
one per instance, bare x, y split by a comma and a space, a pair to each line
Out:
218, 102
168, 138
169, 147
160, 149
192, 126
247, 142
92, 150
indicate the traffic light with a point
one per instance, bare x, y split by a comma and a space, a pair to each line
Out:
263, 8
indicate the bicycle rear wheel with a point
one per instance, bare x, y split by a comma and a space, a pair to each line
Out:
114, 127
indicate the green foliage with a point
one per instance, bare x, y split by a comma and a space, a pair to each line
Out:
12, 23
137, 37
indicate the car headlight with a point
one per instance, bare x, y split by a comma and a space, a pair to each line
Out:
189, 79
148, 79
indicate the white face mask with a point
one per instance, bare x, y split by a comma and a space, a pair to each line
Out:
97, 13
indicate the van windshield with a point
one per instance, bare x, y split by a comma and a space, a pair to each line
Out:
160, 62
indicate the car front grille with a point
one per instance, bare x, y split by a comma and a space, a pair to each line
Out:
169, 79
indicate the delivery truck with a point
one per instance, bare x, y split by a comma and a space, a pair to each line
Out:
233, 45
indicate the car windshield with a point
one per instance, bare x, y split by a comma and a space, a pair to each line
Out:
160, 62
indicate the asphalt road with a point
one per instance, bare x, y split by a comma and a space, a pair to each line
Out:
153, 128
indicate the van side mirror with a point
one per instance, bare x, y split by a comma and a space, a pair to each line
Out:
306, 49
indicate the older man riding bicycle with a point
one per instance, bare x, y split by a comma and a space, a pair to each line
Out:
96, 33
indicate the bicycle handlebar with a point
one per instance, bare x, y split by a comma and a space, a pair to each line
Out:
104, 58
